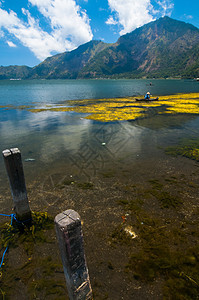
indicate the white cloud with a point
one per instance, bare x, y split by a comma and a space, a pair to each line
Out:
135, 13
69, 27
188, 17
11, 44
165, 7
66, 19
111, 21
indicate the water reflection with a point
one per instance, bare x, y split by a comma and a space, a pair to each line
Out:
65, 140
158, 122
69, 139
85, 146
104, 145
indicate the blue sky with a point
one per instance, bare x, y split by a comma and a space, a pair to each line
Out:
31, 30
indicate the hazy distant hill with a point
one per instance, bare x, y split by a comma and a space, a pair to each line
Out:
15, 72
163, 48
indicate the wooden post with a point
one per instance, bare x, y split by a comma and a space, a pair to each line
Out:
14, 167
70, 238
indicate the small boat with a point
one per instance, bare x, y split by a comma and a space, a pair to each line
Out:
147, 100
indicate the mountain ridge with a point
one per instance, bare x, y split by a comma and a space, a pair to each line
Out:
162, 48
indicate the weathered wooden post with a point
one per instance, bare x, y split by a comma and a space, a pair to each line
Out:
70, 238
14, 167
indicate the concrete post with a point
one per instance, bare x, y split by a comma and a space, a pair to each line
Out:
14, 167
70, 238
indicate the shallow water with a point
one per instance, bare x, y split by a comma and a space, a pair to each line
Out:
54, 141
124, 162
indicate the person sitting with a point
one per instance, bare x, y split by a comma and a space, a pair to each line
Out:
147, 96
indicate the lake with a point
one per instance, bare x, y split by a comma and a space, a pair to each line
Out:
59, 139
117, 175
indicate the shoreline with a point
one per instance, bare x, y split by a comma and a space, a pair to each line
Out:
113, 194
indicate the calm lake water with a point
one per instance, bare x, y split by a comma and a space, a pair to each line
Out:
65, 141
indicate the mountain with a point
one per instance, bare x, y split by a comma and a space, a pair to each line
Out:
15, 72
68, 64
162, 48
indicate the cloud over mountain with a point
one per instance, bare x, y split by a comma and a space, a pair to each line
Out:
68, 26
132, 14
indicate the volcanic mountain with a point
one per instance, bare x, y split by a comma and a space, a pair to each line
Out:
162, 48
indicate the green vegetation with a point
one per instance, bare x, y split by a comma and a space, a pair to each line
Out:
187, 147
160, 248
108, 174
166, 199
161, 49
157, 258
15, 72
29, 269
12, 235
85, 185
81, 185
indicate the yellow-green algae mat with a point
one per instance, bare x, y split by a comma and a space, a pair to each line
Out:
123, 109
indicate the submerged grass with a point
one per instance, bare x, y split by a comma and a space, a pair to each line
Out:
30, 271
166, 199
161, 248
13, 236
187, 147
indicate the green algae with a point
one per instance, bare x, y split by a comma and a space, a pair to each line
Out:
153, 256
166, 199
163, 249
187, 147
39, 277
123, 202
33, 271
12, 235
85, 185
156, 184
108, 174
81, 185
44, 283
64, 183
47, 287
